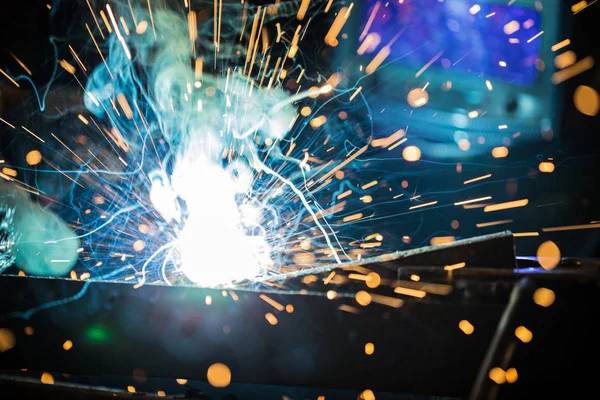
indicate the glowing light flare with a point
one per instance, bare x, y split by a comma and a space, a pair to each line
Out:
498, 375
506, 206
526, 234
561, 44
318, 122
271, 319
11, 125
21, 63
428, 64
577, 7
369, 348
574, 70
336, 26
124, 24
571, 227
466, 327
34, 157
302, 9
417, 97
378, 60
411, 153
548, 255
431, 203
410, 292
439, 240
352, 217
7, 340
494, 223
141, 27
374, 280
546, 167
212, 227
192, 26
356, 92
363, 298
9, 172
385, 142
511, 375
369, 185
118, 32
367, 395
460, 203
474, 9
479, 178
219, 375
369, 44
587, 100
565, 59
500, 152
523, 334
47, 378
273, 303
455, 266
511, 27
544, 297
9, 78
66, 66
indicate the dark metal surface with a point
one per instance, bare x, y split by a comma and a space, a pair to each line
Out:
495, 251
170, 332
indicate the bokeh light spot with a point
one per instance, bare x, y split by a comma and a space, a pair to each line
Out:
544, 297
34, 157
368, 395
523, 334
363, 298
511, 375
466, 327
587, 100
219, 375
548, 255
417, 97
411, 153
497, 375
47, 378
7, 340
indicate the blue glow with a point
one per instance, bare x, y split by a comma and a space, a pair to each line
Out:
472, 37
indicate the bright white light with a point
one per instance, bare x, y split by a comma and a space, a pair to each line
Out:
249, 214
163, 197
213, 246
215, 252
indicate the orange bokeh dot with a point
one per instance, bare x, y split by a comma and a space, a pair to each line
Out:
411, 153
548, 255
219, 375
